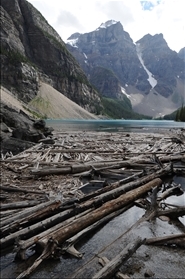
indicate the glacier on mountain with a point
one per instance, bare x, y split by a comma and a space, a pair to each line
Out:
151, 79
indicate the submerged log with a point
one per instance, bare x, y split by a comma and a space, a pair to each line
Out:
112, 267
103, 261
177, 190
116, 189
163, 240
68, 245
172, 213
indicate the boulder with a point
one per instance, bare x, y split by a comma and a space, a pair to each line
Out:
4, 128
27, 135
24, 131
39, 124
14, 146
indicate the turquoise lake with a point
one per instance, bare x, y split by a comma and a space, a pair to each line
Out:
113, 125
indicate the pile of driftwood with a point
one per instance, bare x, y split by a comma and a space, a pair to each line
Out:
66, 188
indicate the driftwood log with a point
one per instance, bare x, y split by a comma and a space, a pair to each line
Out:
112, 267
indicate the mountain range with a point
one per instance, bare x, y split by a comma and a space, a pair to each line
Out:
99, 71
148, 72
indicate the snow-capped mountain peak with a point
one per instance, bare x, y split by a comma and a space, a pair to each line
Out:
107, 24
72, 42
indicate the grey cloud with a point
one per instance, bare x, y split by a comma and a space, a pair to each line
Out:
68, 19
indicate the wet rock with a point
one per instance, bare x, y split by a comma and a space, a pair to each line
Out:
19, 132
47, 131
4, 128
39, 124
14, 119
148, 273
47, 141
4, 136
27, 135
15, 145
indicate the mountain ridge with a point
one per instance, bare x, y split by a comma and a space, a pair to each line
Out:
112, 48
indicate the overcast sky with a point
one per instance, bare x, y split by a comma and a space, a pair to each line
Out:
137, 17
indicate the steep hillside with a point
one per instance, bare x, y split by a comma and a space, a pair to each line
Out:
32, 52
49, 103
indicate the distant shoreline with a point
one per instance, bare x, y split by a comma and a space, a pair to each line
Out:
128, 126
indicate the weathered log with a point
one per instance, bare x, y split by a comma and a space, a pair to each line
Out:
18, 189
85, 167
103, 261
177, 190
165, 239
63, 233
7, 213
32, 212
23, 245
34, 229
112, 267
9, 239
118, 189
47, 252
170, 158
172, 213
103, 152
21, 204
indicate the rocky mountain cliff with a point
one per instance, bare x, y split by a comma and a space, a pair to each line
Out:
165, 64
33, 52
110, 48
181, 53
148, 72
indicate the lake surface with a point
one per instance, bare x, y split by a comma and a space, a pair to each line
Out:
113, 125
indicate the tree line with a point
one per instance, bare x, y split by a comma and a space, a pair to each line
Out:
180, 115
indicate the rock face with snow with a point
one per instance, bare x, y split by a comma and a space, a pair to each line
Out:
148, 71
162, 62
109, 47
